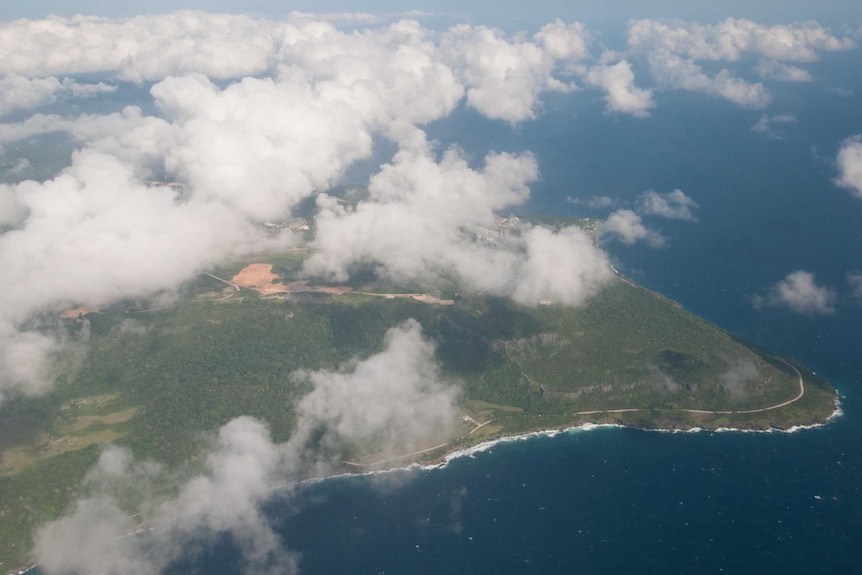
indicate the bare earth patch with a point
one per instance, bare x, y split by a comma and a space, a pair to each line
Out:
78, 312
260, 278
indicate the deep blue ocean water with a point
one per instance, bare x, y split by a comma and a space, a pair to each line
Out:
613, 500
601, 501
621, 500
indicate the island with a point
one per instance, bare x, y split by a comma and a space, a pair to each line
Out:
155, 376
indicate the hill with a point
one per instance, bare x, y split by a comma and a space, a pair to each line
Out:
157, 379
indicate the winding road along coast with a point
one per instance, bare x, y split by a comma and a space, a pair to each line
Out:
597, 411
708, 412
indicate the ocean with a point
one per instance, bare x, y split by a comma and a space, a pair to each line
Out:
605, 500
611, 500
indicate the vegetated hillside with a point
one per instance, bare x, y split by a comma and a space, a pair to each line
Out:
155, 380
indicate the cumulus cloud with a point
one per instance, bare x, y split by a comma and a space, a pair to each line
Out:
255, 115
854, 279
675, 205
276, 139
565, 42
673, 49
850, 165
140, 48
12, 210
251, 150
799, 293
18, 92
225, 498
673, 71
622, 94
563, 267
594, 202
504, 78
108, 236
394, 400
770, 126
395, 74
781, 72
628, 227
311, 101
733, 39
422, 218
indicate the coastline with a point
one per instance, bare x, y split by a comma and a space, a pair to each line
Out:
444, 460
486, 445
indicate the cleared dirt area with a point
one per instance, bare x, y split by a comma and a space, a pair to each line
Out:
78, 312
259, 277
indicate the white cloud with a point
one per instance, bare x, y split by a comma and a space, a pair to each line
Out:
774, 70
732, 39
770, 126
225, 498
629, 228
503, 78
18, 92
108, 236
850, 165
250, 150
622, 94
140, 48
12, 210
855, 281
395, 400
564, 267
566, 42
675, 205
277, 139
340, 17
390, 75
799, 293
673, 71
673, 48
421, 219
593, 202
